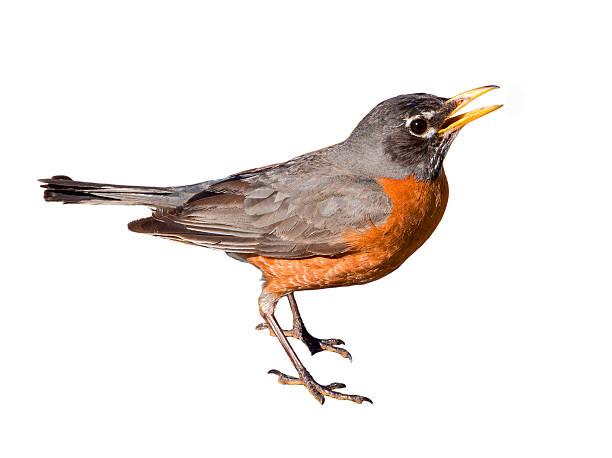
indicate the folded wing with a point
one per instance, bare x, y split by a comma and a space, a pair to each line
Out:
285, 211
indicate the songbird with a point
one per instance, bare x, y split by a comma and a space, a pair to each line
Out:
343, 215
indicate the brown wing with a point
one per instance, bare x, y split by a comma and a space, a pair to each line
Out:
293, 210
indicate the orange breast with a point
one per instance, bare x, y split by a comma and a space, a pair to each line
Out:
417, 208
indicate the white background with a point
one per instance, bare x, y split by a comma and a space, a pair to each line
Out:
493, 340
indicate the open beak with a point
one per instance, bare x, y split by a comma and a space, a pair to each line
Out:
452, 123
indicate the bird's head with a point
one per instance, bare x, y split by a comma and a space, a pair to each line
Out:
414, 131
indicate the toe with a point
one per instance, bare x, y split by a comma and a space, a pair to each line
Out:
341, 351
335, 386
285, 379
332, 341
347, 397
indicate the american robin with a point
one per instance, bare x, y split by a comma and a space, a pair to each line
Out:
343, 215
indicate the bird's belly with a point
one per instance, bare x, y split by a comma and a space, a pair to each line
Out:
417, 208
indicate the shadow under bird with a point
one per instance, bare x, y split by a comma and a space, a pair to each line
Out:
343, 215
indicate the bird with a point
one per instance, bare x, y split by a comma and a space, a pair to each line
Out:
343, 215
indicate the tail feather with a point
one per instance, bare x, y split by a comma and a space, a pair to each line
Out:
61, 188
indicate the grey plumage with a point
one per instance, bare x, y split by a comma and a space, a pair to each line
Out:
291, 210
296, 209
61, 188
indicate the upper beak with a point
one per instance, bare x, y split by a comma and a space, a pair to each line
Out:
459, 101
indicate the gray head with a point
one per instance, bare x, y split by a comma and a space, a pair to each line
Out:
415, 131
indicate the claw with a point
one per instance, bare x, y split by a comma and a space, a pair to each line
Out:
341, 351
314, 345
319, 391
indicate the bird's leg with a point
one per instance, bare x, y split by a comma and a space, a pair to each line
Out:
300, 332
267, 304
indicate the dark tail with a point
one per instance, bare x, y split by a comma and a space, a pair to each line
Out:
61, 188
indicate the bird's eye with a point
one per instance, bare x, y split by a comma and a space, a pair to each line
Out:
418, 126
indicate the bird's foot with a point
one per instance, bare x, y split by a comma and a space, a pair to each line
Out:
317, 390
314, 345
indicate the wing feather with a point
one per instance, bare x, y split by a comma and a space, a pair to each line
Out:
285, 211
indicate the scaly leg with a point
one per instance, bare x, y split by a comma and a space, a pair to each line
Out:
267, 304
300, 332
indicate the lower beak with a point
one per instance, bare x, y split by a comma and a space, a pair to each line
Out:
452, 123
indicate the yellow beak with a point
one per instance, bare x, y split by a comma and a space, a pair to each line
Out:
458, 121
